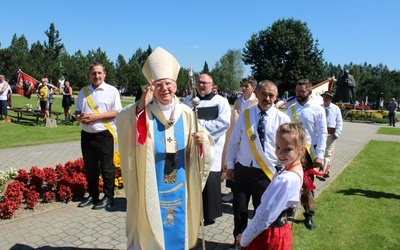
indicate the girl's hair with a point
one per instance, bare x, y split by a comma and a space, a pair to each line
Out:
296, 131
299, 136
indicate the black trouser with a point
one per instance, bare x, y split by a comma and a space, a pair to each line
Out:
392, 118
3, 107
309, 164
248, 181
98, 155
212, 207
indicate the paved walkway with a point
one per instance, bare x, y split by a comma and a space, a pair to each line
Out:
69, 227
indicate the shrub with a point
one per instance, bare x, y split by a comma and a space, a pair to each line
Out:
63, 183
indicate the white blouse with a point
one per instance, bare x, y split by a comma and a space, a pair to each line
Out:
283, 192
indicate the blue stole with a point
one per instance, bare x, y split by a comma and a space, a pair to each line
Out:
172, 196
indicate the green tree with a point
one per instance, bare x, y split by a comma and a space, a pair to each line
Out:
123, 71
17, 56
205, 68
284, 53
101, 57
75, 69
136, 78
183, 81
136, 62
5, 58
37, 59
52, 51
140, 56
228, 71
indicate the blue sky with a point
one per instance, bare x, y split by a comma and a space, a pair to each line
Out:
203, 31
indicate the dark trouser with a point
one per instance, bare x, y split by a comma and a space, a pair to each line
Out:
309, 163
3, 108
212, 207
248, 182
392, 118
43, 107
98, 155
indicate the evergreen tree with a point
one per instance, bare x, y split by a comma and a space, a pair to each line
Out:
123, 71
205, 68
17, 57
52, 51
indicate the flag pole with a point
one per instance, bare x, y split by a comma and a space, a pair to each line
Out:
195, 101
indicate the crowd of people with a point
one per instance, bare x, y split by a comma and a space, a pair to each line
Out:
174, 153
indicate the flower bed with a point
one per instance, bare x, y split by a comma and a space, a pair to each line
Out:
62, 184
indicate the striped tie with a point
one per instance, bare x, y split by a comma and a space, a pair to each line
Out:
261, 129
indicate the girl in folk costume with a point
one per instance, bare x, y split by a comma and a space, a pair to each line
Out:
269, 228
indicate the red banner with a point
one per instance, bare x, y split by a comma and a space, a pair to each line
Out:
25, 84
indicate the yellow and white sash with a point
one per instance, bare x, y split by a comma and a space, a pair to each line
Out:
92, 106
261, 159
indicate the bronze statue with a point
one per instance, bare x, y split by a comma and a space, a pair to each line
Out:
345, 88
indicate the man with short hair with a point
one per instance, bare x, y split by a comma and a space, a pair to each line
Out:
4, 88
313, 118
392, 112
247, 100
251, 156
214, 115
335, 124
96, 108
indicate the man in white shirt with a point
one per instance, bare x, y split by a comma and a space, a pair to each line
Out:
214, 115
335, 124
96, 108
4, 87
313, 118
247, 100
251, 157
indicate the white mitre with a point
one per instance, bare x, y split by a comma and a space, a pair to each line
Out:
161, 64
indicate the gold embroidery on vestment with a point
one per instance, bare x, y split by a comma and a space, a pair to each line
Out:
172, 189
171, 206
170, 178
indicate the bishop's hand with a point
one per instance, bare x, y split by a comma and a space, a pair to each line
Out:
147, 95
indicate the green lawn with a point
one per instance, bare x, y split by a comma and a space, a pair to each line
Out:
360, 209
26, 133
389, 130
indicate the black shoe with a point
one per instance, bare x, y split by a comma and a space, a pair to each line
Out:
309, 223
88, 201
228, 198
290, 212
208, 222
105, 202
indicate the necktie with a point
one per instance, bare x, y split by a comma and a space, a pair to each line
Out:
261, 129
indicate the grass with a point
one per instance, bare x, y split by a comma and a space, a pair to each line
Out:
27, 133
389, 131
359, 210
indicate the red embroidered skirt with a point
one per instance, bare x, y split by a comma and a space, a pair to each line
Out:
273, 238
